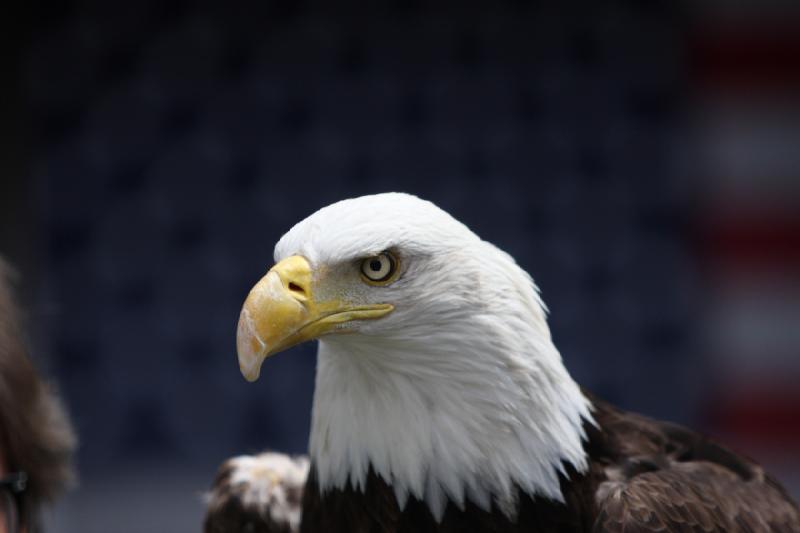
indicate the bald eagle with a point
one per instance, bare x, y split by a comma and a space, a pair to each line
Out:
442, 404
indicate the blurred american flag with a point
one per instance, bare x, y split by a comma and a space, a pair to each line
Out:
746, 76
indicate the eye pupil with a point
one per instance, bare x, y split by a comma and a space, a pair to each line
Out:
375, 265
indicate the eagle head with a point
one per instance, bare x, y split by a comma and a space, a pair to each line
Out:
436, 368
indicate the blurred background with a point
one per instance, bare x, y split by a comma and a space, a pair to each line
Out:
640, 159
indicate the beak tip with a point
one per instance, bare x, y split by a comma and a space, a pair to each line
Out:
249, 348
251, 376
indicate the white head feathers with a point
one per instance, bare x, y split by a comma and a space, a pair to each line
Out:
457, 394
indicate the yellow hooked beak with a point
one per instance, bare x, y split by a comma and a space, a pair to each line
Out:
281, 311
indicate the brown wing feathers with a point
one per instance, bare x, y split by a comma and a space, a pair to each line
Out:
680, 481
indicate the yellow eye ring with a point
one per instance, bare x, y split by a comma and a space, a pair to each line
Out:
379, 269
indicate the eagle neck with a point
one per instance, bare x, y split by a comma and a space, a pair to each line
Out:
446, 422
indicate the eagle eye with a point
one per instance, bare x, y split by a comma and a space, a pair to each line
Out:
379, 269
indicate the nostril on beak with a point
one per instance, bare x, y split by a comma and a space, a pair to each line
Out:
297, 289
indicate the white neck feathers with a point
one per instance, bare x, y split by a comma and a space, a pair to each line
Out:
470, 403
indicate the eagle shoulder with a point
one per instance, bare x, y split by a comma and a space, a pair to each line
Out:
661, 476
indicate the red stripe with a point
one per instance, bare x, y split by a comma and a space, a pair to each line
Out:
764, 56
752, 239
763, 414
